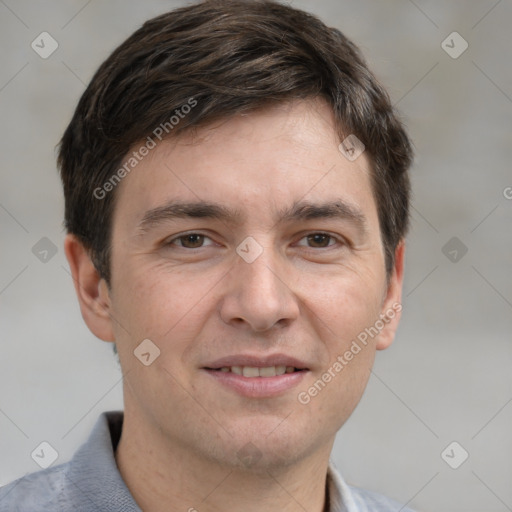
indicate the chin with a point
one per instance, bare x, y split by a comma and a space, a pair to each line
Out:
268, 443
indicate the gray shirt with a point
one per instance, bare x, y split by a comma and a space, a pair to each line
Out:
91, 482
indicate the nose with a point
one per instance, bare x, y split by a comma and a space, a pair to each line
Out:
258, 296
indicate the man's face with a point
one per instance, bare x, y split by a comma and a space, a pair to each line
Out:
296, 293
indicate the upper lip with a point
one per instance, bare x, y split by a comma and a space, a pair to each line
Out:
261, 361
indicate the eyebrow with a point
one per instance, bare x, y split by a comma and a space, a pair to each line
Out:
299, 210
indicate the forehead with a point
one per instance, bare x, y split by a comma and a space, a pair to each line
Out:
255, 163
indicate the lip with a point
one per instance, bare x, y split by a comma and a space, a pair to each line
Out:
258, 361
257, 387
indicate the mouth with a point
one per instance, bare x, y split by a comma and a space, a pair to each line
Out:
255, 371
257, 377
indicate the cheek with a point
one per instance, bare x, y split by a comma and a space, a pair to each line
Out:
351, 305
152, 302
340, 317
346, 302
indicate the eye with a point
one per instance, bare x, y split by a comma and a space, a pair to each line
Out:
190, 241
318, 240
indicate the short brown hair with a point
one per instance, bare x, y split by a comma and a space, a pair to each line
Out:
228, 56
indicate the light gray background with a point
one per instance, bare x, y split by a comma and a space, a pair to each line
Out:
447, 377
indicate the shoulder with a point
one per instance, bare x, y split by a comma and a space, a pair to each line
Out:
89, 481
35, 492
369, 501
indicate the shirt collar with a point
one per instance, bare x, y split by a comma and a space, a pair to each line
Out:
93, 474
339, 494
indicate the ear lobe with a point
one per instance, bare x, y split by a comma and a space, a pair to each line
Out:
92, 291
392, 305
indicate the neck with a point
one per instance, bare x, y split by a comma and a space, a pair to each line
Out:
161, 477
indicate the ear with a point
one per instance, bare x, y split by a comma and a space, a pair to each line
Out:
92, 291
392, 304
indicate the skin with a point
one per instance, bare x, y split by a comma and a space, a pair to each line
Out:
300, 297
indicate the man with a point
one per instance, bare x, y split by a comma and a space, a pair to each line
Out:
236, 204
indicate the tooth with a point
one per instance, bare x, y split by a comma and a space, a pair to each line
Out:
250, 371
237, 370
269, 371
224, 369
290, 369
280, 370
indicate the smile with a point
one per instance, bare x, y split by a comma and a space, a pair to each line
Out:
254, 371
257, 382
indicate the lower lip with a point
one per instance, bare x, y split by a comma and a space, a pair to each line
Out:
258, 387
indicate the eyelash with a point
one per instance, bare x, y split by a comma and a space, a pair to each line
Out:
182, 236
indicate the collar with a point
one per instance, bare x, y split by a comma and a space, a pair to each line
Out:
93, 472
